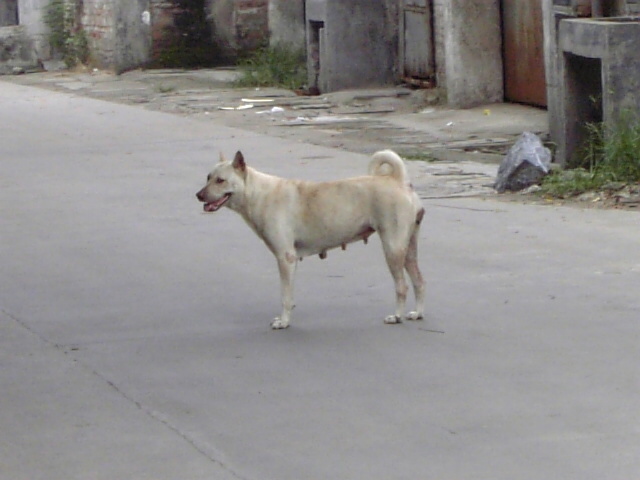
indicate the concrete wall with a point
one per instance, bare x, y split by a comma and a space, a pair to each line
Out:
132, 34
356, 46
98, 21
30, 15
287, 23
555, 99
592, 76
469, 51
222, 15
239, 25
16, 50
21, 46
119, 35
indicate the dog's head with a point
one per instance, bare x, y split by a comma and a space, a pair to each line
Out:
225, 184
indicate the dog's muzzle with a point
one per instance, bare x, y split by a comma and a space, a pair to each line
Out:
215, 205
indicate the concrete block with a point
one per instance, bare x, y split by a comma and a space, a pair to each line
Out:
598, 76
17, 52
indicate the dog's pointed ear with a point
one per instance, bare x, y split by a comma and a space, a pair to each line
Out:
238, 162
222, 159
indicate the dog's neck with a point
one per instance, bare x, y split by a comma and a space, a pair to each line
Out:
257, 186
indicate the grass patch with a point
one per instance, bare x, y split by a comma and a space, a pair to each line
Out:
419, 157
165, 89
273, 67
611, 155
569, 183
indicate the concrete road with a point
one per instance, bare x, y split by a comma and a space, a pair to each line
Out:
134, 339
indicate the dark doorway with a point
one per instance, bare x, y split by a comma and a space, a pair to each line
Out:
315, 52
9, 13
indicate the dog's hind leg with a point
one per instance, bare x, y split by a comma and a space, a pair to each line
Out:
395, 260
287, 269
411, 265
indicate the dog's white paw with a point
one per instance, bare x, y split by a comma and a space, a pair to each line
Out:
392, 319
413, 316
278, 324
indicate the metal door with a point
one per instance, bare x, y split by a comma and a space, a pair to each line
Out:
524, 73
417, 64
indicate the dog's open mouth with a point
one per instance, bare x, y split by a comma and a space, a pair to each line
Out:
214, 206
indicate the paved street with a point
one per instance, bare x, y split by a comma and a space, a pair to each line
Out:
135, 340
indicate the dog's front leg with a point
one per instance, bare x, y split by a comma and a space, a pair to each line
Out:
287, 267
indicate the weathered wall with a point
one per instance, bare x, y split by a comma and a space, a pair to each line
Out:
118, 33
30, 15
287, 23
576, 78
21, 46
357, 46
132, 34
470, 51
162, 20
239, 25
252, 23
98, 21
439, 17
16, 50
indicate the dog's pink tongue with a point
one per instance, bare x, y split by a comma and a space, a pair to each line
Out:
213, 206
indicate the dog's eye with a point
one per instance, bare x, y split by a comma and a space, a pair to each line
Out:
219, 180
209, 178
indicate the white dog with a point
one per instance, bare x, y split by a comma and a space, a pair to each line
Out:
297, 218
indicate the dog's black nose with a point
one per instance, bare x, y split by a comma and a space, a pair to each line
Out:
200, 196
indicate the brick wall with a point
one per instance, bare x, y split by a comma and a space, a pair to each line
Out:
162, 15
241, 25
252, 23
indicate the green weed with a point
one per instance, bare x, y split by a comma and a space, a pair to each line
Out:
420, 157
165, 88
66, 35
610, 154
273, 67
570, 183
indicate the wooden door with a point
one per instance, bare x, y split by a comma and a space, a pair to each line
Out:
417, 64
524, 72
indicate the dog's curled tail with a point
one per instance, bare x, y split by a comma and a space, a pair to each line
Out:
388, 163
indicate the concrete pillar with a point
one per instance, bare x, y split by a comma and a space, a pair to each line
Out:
555, 98
31, 17
472, 44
